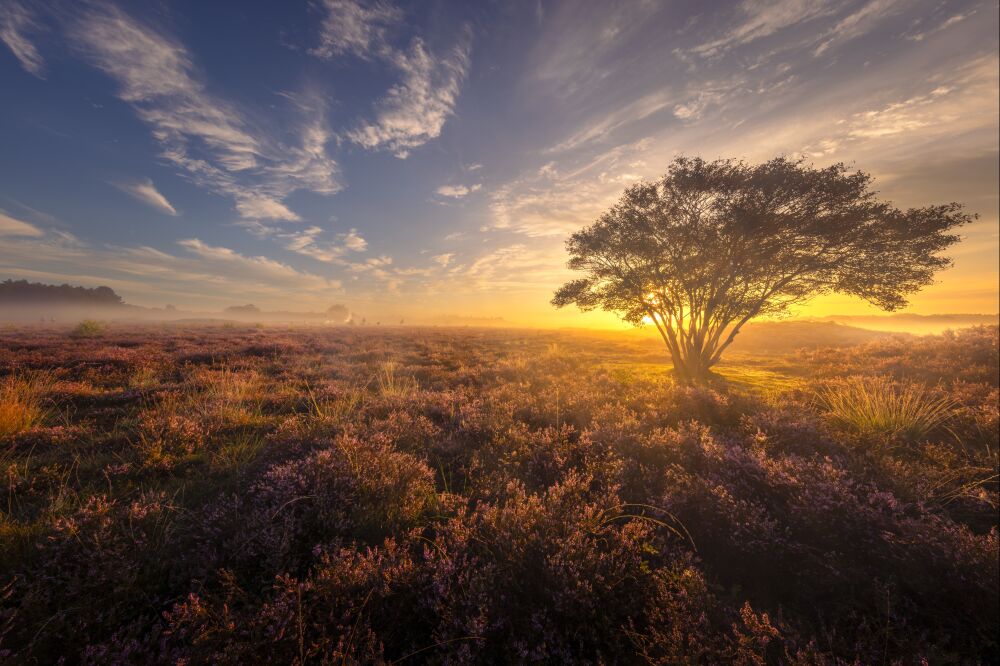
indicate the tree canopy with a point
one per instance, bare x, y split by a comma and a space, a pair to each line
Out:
22, 292
712, 245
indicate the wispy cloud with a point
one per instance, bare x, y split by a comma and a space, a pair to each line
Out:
920, 35
16, 22
857, 23
556, 200
11, 226
309, 242
953, 103
457, 191
313, 241
694, 107
633, 112
414, 110
443, 260
200, 274
763, 18
514, 267
261, 207
146, 192
204, 135
233, 263
353, 27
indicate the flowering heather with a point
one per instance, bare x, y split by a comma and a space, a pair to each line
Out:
228, 495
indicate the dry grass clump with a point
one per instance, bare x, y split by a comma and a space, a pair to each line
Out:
144, 377
231, 395
392, 384
338, 407
21, 402
238, 451
879, 406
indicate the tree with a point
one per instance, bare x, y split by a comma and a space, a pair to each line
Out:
22, 292
712, 245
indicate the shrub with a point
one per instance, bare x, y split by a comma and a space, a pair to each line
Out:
88, 328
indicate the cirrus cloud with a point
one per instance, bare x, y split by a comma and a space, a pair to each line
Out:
208, 138
16, 21
11, 226
146, 192
414, 110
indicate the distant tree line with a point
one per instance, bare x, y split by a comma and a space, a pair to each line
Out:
248, 309
22, 292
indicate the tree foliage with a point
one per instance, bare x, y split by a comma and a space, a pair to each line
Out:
22, 292
712, 245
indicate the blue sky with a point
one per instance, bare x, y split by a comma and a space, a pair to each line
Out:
427, 160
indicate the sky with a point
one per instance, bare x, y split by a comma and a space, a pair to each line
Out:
428, 160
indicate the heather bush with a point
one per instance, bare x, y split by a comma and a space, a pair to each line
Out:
100, 569
211, 495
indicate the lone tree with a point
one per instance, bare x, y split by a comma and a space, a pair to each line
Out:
712, 245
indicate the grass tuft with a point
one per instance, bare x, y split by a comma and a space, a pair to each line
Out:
21, 405
882, 407
391, 384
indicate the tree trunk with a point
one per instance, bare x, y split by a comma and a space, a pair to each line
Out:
692, 367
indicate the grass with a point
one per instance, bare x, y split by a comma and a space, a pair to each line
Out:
391, 384
22, 403
338, 408
238, 451
232, 395
882, 407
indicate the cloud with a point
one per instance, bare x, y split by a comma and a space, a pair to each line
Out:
256, 207
308, 242
414, 110
208, 138
944, 25
457, 191
226, 260
858, 23
961, 101
17, 20
353, 241
10, 226
694, 107
356, 28
762, 18
147, 193
443, 260
554, 201
201, 275
515, 267
633, 112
